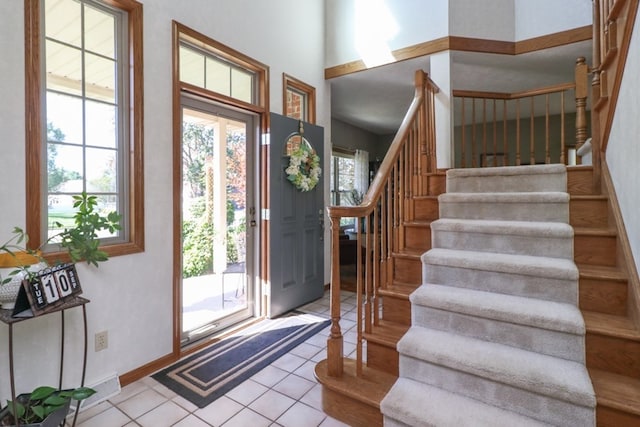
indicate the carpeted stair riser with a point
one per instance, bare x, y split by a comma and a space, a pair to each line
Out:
508, 179
546, 388
505, 237
545, 327
545, 207
421, 405
535, 277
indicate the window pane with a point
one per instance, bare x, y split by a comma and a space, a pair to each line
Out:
64, 168
63, 21
295, 104
62, 118
242, 85
99, 32
346, 173
218, 76
100, 75
64, 68
191, 67
101, 124
102, 170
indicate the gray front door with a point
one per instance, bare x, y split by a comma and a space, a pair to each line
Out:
296, 224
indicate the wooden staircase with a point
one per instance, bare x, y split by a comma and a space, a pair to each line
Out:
613, 340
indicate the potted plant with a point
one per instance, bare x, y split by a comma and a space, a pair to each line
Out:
80, 241
45, 406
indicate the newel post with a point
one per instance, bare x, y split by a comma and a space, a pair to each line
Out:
335, 342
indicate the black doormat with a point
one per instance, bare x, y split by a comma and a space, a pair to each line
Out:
210, 373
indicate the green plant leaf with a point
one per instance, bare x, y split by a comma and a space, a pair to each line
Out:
20, 409
39, 411
55, 400
82, 393
42, 392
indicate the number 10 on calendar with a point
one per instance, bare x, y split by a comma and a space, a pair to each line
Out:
53, 286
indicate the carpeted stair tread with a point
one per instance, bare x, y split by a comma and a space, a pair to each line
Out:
616, 391
421, 405
551, 239
541, 374
508, 179
507, 308
504, 263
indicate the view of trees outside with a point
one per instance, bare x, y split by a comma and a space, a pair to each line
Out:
197, 224
65, 179
343, 172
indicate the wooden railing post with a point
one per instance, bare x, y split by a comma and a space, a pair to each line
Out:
335, 364
581, 71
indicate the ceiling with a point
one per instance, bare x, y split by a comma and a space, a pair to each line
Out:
377, 99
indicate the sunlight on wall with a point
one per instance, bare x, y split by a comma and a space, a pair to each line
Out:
374, 27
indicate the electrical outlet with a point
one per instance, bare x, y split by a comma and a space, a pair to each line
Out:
102, 340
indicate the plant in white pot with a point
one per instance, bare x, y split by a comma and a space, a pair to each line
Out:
81, 242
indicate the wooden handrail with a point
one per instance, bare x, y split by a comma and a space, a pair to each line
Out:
402, 174
613, 22
516, 95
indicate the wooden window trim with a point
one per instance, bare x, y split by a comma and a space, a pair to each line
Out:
34, 129
291, 82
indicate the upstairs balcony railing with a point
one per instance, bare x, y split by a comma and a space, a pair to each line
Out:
542, 125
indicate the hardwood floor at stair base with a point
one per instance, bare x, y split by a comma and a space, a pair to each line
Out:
352, 399
350, 411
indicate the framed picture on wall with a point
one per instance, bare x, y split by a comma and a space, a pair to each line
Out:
494, 159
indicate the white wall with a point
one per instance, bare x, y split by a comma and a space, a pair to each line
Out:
623, 150
485, 19
540, 17
131, 296
409, 22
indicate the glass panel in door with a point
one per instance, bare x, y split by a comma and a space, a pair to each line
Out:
216, 205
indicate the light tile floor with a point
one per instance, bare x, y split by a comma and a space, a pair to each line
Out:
284, 393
